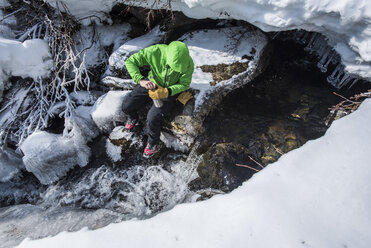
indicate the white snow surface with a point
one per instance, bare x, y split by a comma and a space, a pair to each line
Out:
344, 22
315, 196
28, 59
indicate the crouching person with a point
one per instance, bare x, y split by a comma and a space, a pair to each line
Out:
170, 74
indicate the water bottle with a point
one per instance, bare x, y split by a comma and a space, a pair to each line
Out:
158, 103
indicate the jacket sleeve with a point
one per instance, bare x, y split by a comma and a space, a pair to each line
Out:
135, 61
184, 81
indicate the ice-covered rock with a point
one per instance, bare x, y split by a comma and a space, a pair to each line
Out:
86, 98
10, 164
50, 156
107, 110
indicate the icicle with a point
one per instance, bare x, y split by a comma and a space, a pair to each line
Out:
321, 63
354, 82
46, 36
345, 80
40, 29
34, 31
332, 78
304, 38
310, 43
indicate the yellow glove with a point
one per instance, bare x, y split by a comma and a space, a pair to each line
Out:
185, 97
159, 93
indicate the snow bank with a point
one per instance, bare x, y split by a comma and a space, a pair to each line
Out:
315, 196
4, 3
346, 23
28, 59
86, 10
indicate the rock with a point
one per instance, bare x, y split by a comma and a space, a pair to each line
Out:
218, 168
116, 83
123, 144
107, 110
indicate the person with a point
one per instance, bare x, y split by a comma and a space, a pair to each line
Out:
171, 73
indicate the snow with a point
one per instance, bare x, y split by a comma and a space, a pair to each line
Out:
107, 110
4, 3
86, 11
315, 196
28, 59
345, 21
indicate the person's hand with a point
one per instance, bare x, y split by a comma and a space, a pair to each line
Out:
147, 84
159, 93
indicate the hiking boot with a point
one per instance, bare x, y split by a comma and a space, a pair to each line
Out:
149, 151
130, 124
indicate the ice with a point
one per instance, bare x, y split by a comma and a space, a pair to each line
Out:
113, 151
50, 156
107, 110
171, 141
84, 97
10, 164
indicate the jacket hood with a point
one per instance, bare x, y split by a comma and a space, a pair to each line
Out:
177, 56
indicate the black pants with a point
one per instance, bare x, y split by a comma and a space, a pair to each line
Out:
139, 97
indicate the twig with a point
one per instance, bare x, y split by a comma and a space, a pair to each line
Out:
277, 150
256, 162
343, 97
9, 15
246, 166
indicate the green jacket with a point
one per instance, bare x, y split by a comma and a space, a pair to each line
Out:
171, 66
